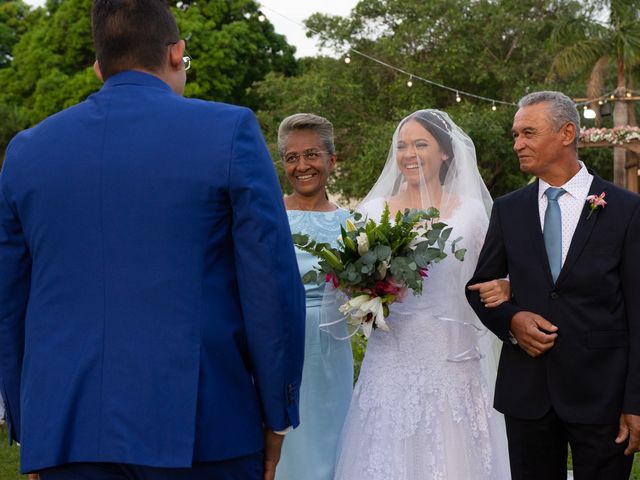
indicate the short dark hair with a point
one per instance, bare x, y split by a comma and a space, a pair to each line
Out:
132, 34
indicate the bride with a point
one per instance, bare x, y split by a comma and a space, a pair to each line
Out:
421, 408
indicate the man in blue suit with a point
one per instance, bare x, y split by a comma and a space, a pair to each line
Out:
151, 309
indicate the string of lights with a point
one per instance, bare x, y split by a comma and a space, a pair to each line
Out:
588, 112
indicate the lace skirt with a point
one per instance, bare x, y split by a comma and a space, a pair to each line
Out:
415, 415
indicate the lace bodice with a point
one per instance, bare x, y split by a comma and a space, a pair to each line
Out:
421, 386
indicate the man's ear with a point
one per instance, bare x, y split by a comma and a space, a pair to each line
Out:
97, 71
176, 52
569, 133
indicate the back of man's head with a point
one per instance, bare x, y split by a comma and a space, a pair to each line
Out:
132, 34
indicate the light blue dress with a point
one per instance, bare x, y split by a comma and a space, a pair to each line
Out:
1, 410
309, 451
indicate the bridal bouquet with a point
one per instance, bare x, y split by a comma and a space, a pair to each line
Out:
376, 264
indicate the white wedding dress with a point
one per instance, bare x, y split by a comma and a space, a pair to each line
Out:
421, 408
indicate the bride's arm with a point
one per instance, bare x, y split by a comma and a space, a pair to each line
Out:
493, 292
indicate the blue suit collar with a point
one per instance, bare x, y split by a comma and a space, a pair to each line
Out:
136, 77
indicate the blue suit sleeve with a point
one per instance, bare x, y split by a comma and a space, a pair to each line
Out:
15, 278
270, 288
492, 264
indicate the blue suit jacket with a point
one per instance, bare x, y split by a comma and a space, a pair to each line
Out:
151, 308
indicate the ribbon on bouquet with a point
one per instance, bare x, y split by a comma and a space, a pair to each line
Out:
471, 353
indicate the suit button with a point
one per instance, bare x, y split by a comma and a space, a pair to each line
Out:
554, 296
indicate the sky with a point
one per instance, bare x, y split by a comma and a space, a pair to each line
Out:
298, 10
295, 12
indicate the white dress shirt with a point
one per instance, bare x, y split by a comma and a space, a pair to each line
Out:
571, 204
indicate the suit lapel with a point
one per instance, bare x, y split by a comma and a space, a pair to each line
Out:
535, 229
583, 229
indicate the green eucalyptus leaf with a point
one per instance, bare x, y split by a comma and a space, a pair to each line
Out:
383, 252
433, 212
369, 258
310, 277
300, 239
432, 236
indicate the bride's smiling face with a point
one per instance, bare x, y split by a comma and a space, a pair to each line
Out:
417, 150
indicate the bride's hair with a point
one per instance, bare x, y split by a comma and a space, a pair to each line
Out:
438, 127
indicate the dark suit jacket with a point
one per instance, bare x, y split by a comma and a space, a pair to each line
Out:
151, 308
592, 373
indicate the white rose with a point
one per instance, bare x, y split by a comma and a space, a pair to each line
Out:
363, 243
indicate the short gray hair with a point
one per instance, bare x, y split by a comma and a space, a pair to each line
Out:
306, 121
562, 109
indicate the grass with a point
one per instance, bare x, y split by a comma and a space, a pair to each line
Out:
635, 470
9, 458
359, 346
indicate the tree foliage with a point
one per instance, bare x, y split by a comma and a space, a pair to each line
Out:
494, 48
46, 55
605, 52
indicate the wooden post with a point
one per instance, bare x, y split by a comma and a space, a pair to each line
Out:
631, 167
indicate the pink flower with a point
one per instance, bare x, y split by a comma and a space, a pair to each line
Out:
391, 287
333, 279
423, 272
595, 202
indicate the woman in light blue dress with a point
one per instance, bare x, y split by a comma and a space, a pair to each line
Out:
305, 142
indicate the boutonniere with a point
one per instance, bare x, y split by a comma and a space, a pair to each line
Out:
595, 202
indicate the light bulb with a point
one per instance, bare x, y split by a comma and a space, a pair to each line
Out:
458, 99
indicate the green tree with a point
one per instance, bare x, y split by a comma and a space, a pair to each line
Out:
231, 49
50, 62
593, 47
12, 25
499, 49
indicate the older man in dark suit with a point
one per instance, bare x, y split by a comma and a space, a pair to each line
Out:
569, 370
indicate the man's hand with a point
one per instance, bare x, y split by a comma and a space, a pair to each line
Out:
534, 334
272, 449
493, 292
629, 429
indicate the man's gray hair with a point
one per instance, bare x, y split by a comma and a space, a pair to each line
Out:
306, 121
562, 109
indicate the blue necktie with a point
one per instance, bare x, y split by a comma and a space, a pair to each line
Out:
553, 230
